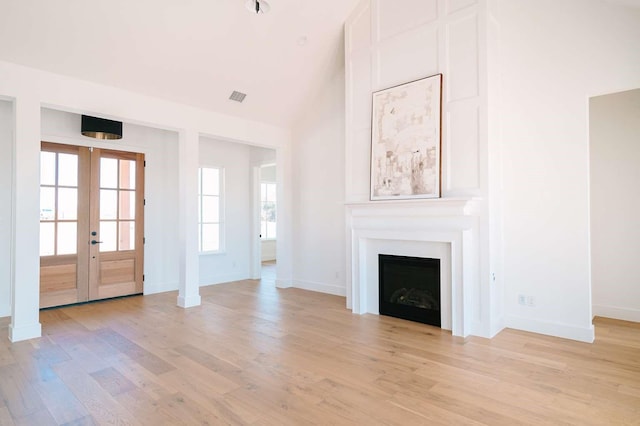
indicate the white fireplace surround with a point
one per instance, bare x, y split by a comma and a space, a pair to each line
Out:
445, 229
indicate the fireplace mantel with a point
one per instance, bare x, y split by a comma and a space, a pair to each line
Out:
428, 207
415, 226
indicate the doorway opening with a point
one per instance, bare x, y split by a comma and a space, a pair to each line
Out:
268, 216
614, 156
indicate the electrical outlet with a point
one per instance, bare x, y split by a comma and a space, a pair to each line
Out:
522, 299
531, 301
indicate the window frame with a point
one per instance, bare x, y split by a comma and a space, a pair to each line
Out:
221, 210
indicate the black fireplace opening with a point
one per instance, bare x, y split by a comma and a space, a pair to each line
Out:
409, 288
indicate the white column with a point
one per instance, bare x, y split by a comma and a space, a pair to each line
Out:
189, 291
284, 218
25, 242
256, 248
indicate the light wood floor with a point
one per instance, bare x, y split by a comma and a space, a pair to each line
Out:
252, 354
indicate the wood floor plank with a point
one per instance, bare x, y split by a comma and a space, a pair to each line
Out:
253, 354
76, 345
61, 403
97, 401
40, 418
85, 421
20, 397
112, 381
148, 360
5, 417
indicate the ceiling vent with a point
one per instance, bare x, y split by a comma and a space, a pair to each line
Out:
237, 96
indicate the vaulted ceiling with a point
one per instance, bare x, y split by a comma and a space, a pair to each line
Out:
190, 51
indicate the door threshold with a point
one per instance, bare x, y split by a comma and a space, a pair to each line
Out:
91, 301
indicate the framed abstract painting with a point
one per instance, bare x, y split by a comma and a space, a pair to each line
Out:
406, 140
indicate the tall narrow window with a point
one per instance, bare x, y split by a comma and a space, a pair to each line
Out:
210, 217
117, 204
268, 211
58, 203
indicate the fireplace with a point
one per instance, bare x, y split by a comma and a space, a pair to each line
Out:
409, 288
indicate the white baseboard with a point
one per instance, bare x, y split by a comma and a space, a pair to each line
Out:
582, 334
625, 314
189, 301
284, 284
160, 287
221, 279
31, 331
321, 288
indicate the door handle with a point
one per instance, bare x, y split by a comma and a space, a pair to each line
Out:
94, 242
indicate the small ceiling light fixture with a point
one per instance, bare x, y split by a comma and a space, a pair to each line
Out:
302, 40
257, 6
101, 128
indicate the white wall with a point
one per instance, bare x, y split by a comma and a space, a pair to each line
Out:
390, 42
555, 55
6, 171
318, 192
161, 188
614, 152
517, 78
234, 262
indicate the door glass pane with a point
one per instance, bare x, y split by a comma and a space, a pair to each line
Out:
47, 238
210, 209
47, 168
47, 203
127, 205
271, 192
67, 203
108, 173
127, 236
108, 236
271, 229
127, 174
108, 204
210, 237
269, 211
67, 237
67, 169
210, 181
